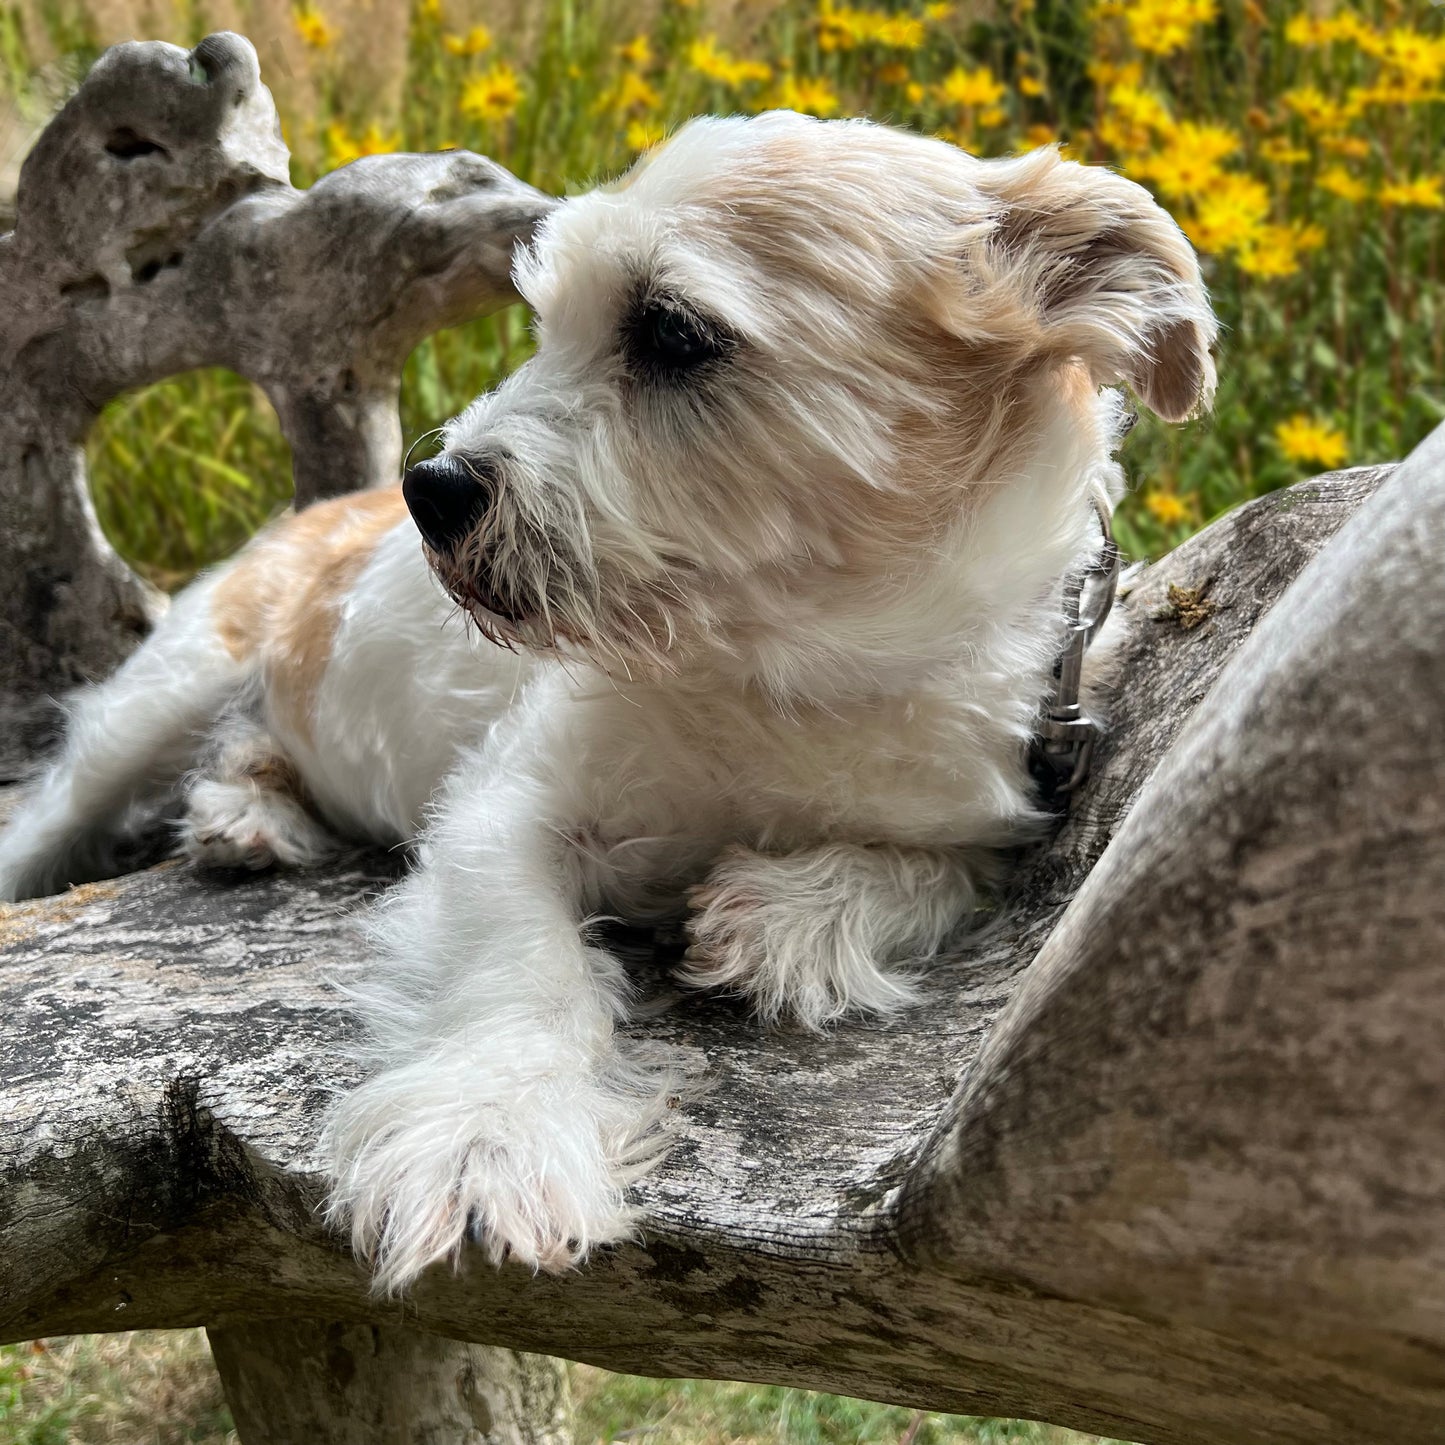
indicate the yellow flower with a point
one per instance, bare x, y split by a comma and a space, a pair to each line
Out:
707, 59
841, 28
637, 51
1138, 108
1188, 162
1105, 73
913, 93
1397, 90
813, 97
1279, 151
430, 9
1348, 28
1274, 251
1030, 85
342, 147
631, 93
1355, 147
1318, 111
970, 87
1312, 31
1423, 193
1178, 171
476, 40
1411, 55
1304, 439
1230, 214
834, 31
1040, 135
899, 32
1167, 508
1215, 142
313, 27
1339, 182
642, 135
376, 142
1163, 26
937, 13
895, 74
1306, 31
493, 95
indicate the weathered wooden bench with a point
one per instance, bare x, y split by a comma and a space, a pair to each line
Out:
1162, 1155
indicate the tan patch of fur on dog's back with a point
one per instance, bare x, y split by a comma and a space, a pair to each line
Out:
281, 600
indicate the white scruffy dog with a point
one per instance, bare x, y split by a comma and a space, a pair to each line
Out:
774, 526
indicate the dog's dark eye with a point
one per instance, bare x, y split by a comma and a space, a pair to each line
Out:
667, 340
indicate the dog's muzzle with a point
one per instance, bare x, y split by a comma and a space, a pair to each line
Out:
447, 498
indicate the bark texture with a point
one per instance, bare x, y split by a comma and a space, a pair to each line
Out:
329, 1384
1159, 1156
156, 232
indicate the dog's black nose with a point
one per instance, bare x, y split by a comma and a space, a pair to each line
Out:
447, 497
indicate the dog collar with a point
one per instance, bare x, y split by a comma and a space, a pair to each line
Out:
1063, 746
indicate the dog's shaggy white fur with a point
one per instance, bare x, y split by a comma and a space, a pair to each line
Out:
774, 526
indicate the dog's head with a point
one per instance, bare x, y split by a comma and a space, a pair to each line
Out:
779, 365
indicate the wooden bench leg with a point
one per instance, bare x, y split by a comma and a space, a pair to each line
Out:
302, 1382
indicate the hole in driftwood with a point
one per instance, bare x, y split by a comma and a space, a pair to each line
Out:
127, 145
184, 471
146, 263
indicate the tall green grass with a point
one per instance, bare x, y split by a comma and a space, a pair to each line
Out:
159, 1387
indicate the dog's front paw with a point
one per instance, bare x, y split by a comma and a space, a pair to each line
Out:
782, 932
427, 1156
240, 825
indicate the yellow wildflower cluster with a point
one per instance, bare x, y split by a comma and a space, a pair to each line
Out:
843, 28
343, 147
1311, 442
971, 88
1271, 169
1424, 193
1296, 141
812, 97
637, 51
1160, 27
630, 94
707, 58
313, 27
492, 96
474, 42
642, 135
1167, 507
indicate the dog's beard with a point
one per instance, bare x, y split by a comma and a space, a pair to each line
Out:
630, 627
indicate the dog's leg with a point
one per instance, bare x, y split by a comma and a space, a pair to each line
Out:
128, 741
245, 807
816, 934
502, 1107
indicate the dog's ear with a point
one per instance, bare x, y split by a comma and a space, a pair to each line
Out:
1078, 263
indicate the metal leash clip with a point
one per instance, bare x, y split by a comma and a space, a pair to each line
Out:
1063, 746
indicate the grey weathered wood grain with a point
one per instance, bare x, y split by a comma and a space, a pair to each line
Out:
156, 232
1219, 1095
168, 1038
